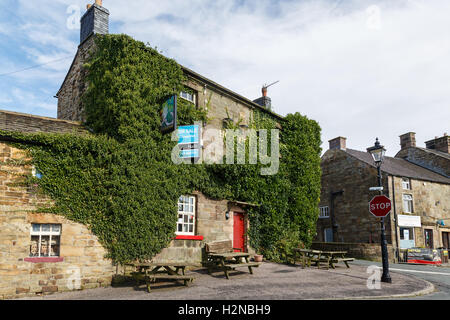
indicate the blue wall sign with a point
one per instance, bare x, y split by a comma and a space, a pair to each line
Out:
189, 153
189, 134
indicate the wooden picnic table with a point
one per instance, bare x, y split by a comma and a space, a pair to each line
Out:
329, 258
149, 272
230, 261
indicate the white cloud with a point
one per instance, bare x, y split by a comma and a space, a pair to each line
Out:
362, 69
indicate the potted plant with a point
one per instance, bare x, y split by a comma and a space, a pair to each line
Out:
258, 257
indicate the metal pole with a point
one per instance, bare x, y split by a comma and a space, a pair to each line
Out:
384, 252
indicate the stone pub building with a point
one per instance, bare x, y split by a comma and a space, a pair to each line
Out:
44, 253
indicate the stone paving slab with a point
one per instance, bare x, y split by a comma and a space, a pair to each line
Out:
270, 281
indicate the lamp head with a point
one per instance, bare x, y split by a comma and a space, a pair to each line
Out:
377, 152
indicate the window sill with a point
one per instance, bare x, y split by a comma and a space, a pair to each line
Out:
199, 238
44, 260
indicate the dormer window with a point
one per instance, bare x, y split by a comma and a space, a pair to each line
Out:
188, 96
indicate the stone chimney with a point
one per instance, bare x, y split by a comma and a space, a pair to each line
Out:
338, 143
440, 144
264, 101
408, 140
94, 21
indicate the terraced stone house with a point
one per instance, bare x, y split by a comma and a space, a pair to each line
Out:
417, 180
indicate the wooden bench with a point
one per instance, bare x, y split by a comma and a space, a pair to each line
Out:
222, 256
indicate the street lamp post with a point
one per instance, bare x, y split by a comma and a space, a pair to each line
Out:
378, 152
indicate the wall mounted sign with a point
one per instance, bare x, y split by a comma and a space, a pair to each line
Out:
189, 142
189, 134
409, 221
168, 114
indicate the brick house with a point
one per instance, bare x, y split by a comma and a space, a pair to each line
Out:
42, 253
417, 181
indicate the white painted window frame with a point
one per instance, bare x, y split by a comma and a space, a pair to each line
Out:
191, 209
193, 95
50, 233
406, 184
324, 212
411, 200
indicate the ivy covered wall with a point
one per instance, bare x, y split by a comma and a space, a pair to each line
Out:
122, 184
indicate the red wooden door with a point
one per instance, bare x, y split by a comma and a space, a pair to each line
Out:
239, 231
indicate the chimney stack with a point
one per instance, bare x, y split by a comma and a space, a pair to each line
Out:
264, 101
338, 143
94, 21
440, 144
408, 140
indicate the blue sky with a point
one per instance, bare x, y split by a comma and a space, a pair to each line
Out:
361, 68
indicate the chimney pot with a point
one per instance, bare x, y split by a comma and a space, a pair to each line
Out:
264, 92
98, 2
338, 143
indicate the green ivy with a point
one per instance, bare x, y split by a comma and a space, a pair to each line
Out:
121, 182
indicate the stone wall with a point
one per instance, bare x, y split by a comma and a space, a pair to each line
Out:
27, 123
342, 172
81, 263
74, 85
211, 224
367, 251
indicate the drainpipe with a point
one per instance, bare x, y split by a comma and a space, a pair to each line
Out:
396, 220
334, 226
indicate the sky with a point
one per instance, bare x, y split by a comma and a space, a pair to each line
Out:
362, 69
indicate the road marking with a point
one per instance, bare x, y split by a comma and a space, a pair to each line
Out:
417, 271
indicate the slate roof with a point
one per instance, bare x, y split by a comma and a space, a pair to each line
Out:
400, 167
436, 152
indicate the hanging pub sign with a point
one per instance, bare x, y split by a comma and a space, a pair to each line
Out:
168, 113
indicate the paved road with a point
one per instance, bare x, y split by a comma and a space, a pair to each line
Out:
271, 281
439, 276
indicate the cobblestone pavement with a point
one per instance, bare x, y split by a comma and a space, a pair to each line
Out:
270, 281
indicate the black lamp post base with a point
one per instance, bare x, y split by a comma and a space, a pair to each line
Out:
386, 279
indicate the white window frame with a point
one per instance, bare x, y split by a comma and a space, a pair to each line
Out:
188, 96
324, 212
406, 184
184, 215
409, 199
50, 234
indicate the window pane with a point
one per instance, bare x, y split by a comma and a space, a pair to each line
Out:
54, 246
186, 218
191, 219
191, 228
45, 240
56, 228
180, 227
45, 228
36, 227
185, 228
34, 247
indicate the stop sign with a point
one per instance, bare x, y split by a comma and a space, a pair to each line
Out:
380, 206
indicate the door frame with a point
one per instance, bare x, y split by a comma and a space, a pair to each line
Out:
425, 238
